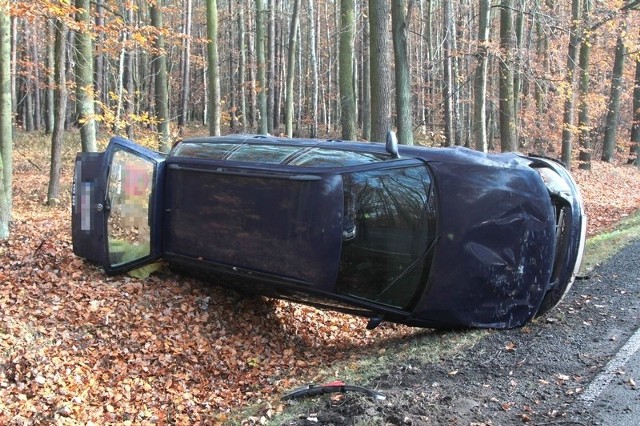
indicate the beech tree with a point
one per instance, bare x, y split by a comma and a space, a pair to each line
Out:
60, 106
613, 112
6, 125
261, 64
380, 76
84, 77
507, 95
213, 68
347, 95
399, 17
160, 75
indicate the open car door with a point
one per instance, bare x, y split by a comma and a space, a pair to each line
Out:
116, 206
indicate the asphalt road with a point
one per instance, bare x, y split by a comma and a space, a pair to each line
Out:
613, 395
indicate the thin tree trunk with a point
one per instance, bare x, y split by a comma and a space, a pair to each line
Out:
347, 95
507, 102
613, 113
185, 92
480, 102
634, 153
291, 57
242, 68
6, 125
128, 84
314, 69
399, 19
213, 68
584, 126
447, 92
261, 66
84, 77
569, 101
53, 193
50, 93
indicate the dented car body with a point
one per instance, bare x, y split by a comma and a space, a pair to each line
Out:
430, 237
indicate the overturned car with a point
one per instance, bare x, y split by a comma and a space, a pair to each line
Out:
443, 237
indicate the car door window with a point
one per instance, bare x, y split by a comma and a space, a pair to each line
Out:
386, 232
129, 194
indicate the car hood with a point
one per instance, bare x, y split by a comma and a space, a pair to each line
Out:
495, 242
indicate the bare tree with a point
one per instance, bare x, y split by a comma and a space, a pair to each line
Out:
6, 125
507, 102
60, 106
261, 65
480, 102
213, 68
293, 40
613, 112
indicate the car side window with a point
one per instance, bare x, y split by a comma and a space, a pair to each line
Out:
386, 225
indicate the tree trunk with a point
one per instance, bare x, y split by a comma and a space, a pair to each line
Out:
613, 113
271, 81
84, 77
6, 125
213, 68
161, 82
507, 102
99, 60
60, 104
635, 127
366, 83
480, 101
584, 126
347, 95
314, 69
262, 68
447, 92
128, 81
291, 62
185, 92
380, 79
399, 22
569, 101
242, 68
50, 92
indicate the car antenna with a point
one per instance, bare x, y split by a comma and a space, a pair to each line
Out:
392, 144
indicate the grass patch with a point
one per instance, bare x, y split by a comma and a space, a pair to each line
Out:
602, 246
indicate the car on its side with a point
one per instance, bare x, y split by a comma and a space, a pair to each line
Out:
429, 237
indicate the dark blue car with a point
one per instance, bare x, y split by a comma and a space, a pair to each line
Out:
444, 237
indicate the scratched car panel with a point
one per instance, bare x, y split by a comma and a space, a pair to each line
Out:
430, 237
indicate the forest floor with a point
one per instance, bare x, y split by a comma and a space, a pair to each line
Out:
79, 347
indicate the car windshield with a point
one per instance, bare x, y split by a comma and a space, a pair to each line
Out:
388, 227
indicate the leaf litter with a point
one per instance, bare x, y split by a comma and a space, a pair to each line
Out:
79, 347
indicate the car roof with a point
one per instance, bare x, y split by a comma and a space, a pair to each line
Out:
291, 152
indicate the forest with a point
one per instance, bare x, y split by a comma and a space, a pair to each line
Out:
555, 78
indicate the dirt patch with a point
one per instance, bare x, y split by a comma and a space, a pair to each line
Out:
531, 375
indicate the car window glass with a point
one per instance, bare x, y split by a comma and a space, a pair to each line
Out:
130, 185
385, 234
263, 153
214, 151
334, 157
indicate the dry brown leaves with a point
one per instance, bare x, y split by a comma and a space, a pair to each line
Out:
77, 347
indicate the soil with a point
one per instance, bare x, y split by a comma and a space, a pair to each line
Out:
532, 375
